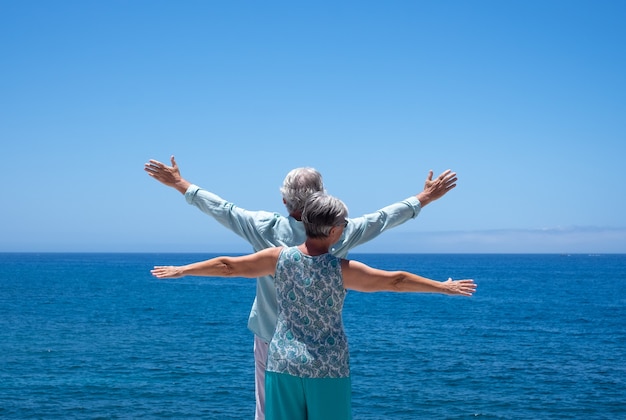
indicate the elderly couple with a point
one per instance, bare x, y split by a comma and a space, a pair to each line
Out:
300, 348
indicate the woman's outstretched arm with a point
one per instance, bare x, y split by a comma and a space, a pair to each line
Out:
363, 278
260, 263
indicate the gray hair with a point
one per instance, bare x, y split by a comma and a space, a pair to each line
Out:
298, 185
321, 213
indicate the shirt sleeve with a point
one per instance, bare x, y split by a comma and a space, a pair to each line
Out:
253, 226
367, 227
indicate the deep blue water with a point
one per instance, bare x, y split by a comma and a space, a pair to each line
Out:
87, 336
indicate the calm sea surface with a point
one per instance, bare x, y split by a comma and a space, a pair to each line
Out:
88, 336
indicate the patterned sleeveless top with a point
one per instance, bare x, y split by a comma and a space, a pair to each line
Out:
309, 340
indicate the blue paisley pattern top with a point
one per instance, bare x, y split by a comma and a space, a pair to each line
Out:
309, 340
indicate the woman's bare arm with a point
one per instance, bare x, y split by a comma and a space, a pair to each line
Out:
260, 263
363, 278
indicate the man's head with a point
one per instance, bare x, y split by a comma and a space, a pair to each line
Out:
298, 185
322, 212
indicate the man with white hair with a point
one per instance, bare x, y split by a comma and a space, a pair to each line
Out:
263, 229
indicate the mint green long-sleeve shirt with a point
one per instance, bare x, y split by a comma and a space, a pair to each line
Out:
263, 229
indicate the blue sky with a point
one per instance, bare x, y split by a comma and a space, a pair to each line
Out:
525, 100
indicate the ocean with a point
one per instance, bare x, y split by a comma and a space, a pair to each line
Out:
94, 336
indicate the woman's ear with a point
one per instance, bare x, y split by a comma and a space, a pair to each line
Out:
336, 231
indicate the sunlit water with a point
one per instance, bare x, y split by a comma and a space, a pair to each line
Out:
95, 336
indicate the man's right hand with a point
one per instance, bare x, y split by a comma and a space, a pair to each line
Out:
436, 188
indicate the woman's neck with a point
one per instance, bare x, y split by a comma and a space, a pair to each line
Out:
314, 247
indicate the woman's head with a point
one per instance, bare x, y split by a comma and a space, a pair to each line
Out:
321, 213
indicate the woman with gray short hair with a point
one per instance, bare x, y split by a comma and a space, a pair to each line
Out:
308, 373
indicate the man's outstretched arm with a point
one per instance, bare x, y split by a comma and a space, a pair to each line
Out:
167, 175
